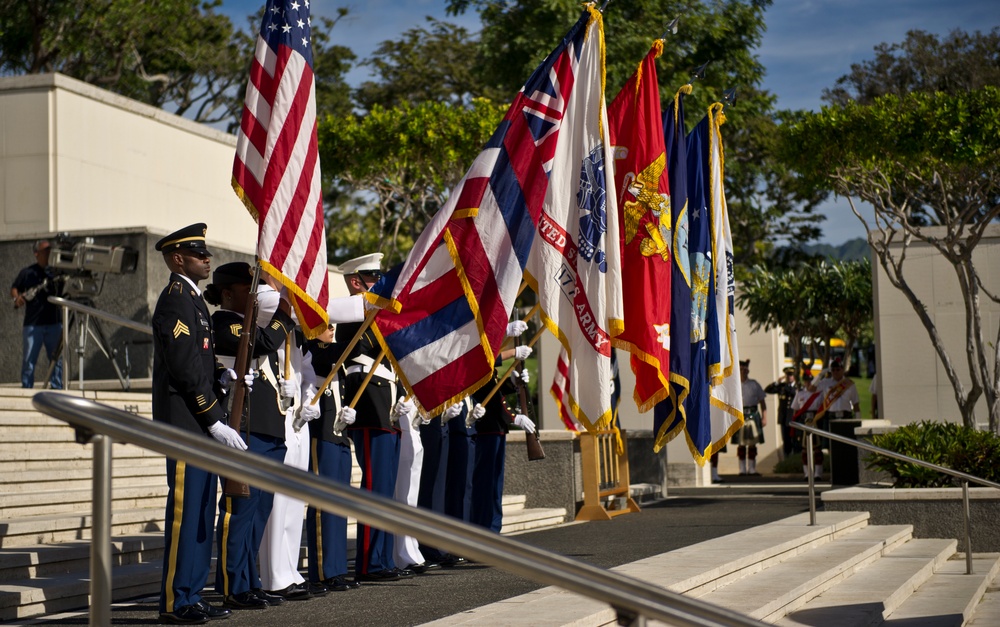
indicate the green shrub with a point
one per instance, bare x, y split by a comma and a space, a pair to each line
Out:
792, 465
946, 444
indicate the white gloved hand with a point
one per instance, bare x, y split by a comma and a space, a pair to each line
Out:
525, 376
403, 410
418, 419
517, 327
522, 352
451, 411
227, 435
287, 388
368, 304
248, 380
347, 415
477, 412
226, 379
309, 412
525, 423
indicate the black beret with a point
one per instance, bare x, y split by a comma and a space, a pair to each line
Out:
189, 238
237, 272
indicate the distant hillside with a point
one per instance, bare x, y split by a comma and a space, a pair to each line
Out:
851, 250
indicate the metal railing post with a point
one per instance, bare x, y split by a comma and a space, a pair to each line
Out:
968, 527
100, 542
810, 467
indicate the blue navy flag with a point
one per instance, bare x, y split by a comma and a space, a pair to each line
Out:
669, 415
704, 326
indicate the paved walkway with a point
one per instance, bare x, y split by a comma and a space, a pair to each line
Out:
689, 516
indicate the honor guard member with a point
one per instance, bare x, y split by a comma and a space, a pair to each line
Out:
443, 473
755, 409
804, 407
330, 457
187, 384
786, 388
840, 402
241, 519
492, 423
375, 436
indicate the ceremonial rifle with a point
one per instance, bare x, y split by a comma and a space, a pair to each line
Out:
531, 440
239, 413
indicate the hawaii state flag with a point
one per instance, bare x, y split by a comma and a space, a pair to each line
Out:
634, 119
575, 266
670, 414
445, 312
727, 390
276, 170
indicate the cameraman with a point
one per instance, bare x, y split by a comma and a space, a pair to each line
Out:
42, 320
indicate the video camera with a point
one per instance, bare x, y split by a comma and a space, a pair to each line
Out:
82, 260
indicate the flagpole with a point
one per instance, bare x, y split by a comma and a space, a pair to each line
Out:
506, 375
347, 351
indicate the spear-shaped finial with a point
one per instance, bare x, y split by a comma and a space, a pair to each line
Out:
671, 28
606, 3
699, 72
729, 97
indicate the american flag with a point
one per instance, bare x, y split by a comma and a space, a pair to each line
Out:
446, 312
276, 171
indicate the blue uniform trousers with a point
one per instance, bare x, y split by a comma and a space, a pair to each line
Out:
237, 535
190, 518
326, 533
487, 481
378, 455
461, 458
435, 439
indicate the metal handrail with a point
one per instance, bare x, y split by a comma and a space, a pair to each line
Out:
634, 600
103, 315
965, 477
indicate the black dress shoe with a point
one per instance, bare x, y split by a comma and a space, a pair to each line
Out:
187, 615
271, 599
453, 560
294, 592
317, 589
213, 613
404, 573
418, 569
340, 584
389, 574
245, 601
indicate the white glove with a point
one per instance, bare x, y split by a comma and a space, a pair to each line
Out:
418, 419
525, 376
516, 328
477, 412
347, 415
525, 423
403, 410
248, 380
226, 379
309, 412
522, 352
452, 411
287, 388
368, 304
227, 435
267, 303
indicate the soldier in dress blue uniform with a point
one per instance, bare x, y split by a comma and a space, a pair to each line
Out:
446, 477
330, 457
375, 436
492, 423
242, 519
188, 382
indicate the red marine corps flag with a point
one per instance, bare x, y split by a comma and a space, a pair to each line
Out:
276, 171
641, 181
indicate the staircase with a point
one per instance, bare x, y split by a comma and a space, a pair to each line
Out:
45, 510
841, 572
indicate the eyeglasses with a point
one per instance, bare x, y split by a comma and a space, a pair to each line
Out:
371, 274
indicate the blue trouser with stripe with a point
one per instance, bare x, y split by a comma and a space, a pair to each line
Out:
190, 518
236, 567
326, 533
378, 455
461, 459
487, 481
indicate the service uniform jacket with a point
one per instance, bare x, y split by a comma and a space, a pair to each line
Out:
498, 417
324, 356
185, 371
376, 401
266, 417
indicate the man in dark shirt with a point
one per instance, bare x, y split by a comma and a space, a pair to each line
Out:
42, 320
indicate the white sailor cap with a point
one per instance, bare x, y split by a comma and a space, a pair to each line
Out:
371, 263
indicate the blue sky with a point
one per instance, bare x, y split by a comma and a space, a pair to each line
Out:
807, 46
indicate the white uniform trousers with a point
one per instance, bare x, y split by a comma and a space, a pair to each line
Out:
406, 549
282, 543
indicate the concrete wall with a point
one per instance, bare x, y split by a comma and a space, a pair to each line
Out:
912, 383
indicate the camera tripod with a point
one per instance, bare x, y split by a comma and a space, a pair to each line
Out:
86, 318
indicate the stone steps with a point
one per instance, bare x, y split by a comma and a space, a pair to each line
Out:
840, 573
